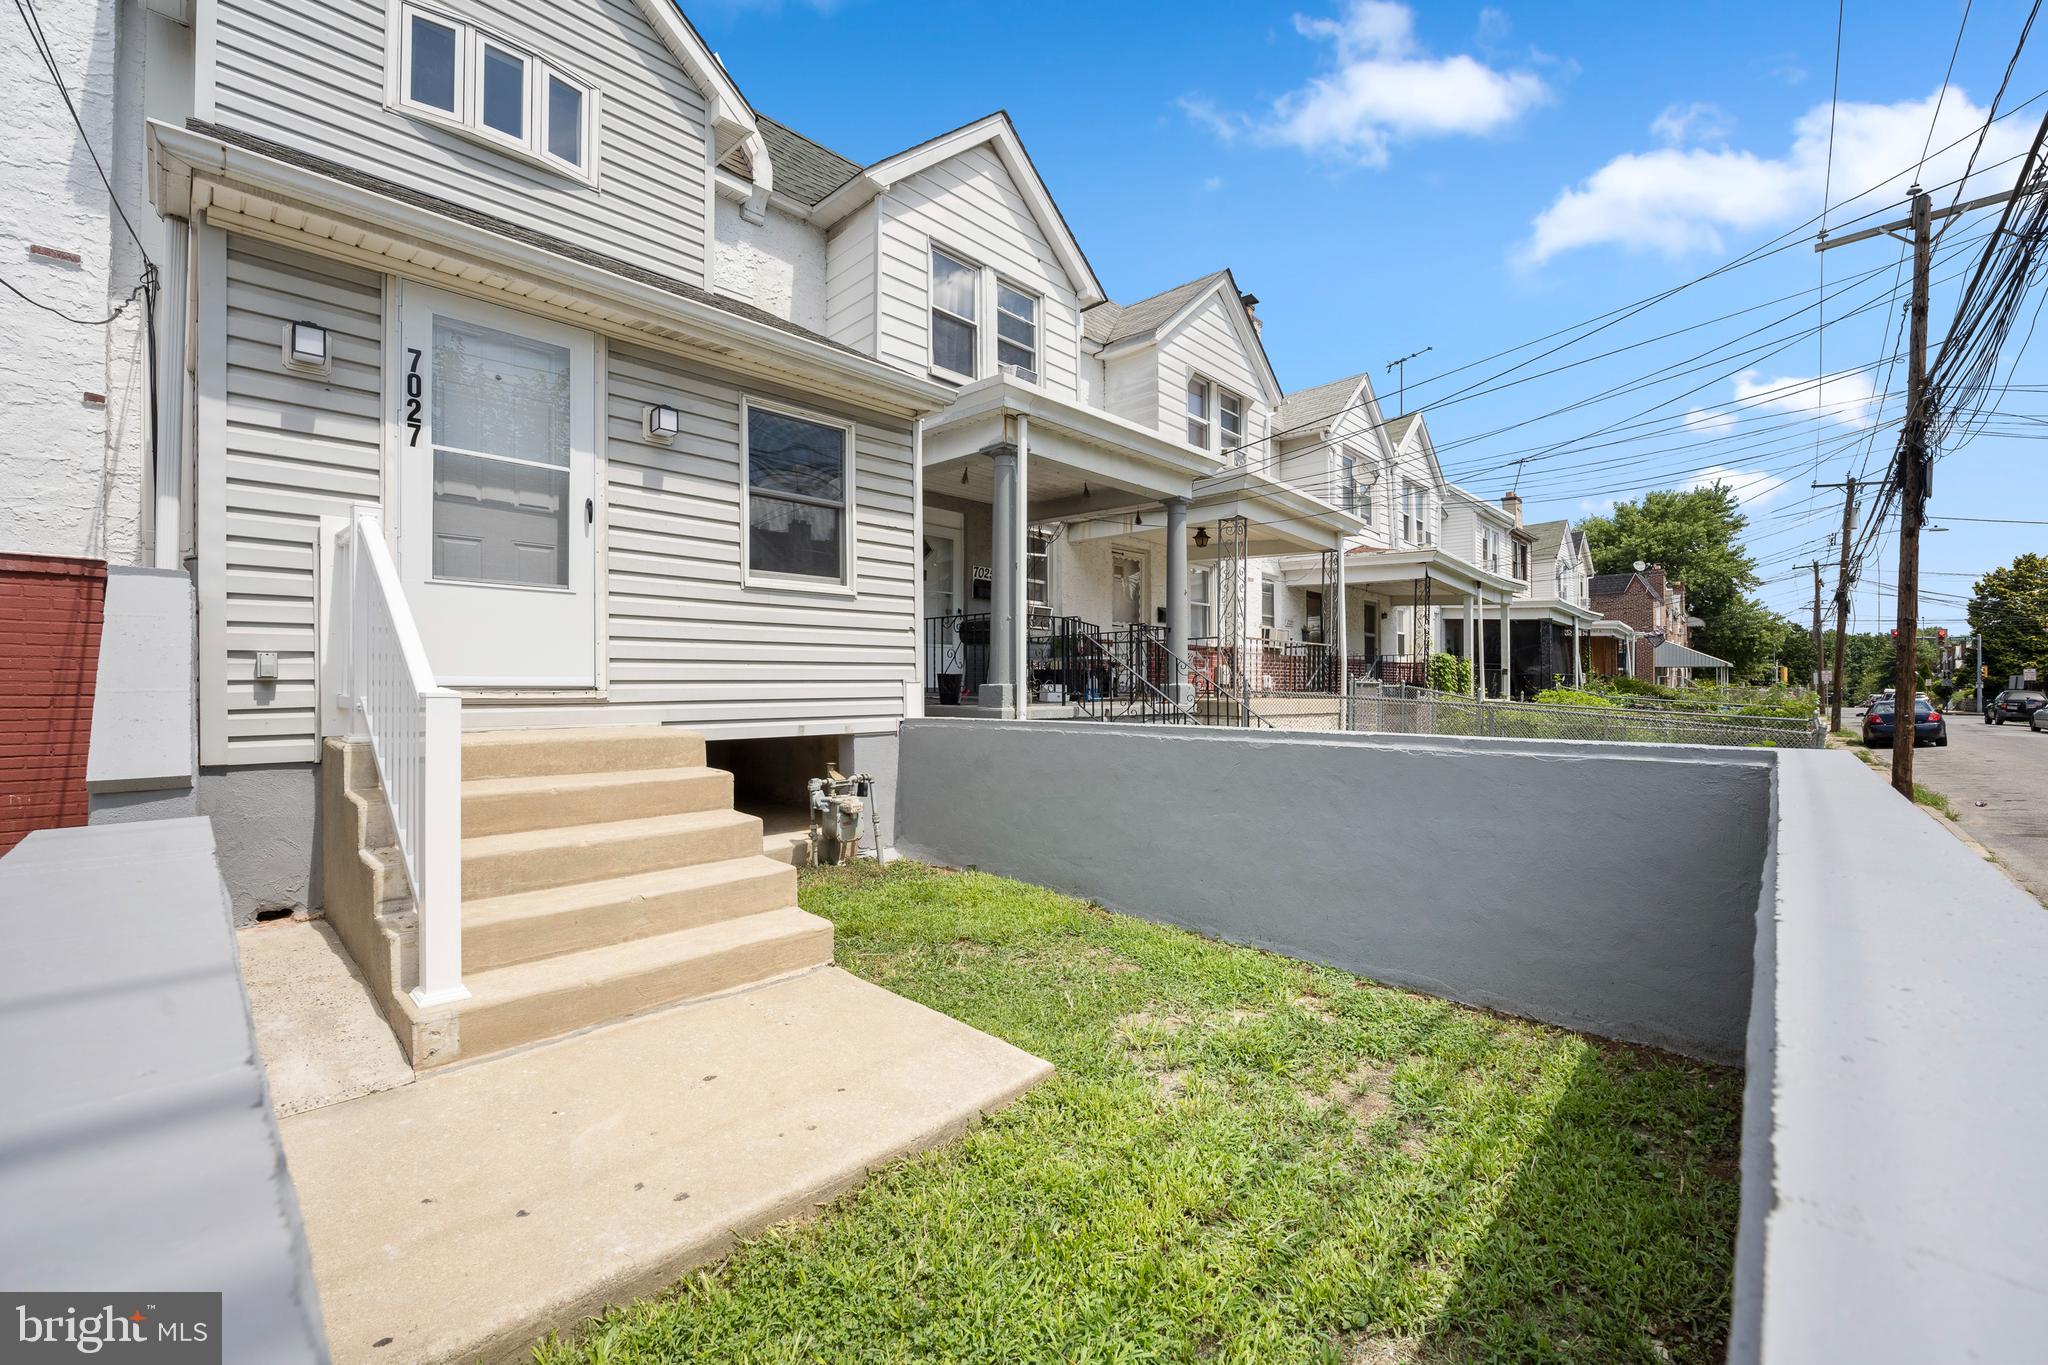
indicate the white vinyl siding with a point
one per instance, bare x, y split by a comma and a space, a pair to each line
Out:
279, 450
850, 285
1206, 344
322, 87
968, 207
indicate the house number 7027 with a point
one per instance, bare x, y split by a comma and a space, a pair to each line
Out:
413, 385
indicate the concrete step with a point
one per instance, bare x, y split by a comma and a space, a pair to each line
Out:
506, 805
533, 860
536, 1000
790, 847
531, 925
584, 749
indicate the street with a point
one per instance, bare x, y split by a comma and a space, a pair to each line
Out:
2006, 768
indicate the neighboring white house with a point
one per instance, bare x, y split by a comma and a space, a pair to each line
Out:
1554, 620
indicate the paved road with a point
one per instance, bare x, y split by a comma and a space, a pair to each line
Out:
2005, 767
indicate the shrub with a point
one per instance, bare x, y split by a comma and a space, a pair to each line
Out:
1636, 687
1570, 696
1449, 673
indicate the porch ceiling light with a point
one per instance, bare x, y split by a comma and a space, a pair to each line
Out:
662, 422
1201, 537
305, 345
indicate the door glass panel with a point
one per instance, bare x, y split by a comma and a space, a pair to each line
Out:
1127, 581
938, 575
501, 456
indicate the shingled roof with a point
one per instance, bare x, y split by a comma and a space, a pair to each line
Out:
1107, 323
1546, 538
1317, 407
1397, 430
805, 171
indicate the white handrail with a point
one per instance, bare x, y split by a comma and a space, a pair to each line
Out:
415, 733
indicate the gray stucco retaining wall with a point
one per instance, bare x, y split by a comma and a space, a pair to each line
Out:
1597, 887
138, 1152
267, 822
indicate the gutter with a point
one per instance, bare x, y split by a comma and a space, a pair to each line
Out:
177, 154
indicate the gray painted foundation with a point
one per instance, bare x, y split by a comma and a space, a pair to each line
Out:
1597, 887
266, 823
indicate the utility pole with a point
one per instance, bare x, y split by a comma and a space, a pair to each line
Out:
1818, 666
1910, 472
1848, 487
1401, 365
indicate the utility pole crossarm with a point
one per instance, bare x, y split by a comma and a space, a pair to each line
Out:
1827, 243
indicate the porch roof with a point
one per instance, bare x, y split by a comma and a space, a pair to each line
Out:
1608, 626
1369, 566
265, 189
1282, 518
1552, 609
1671, 655
1081, 461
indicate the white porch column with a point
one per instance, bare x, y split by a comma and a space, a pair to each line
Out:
1578, 659
998, 691
1471, 643
1020, 607
1479, 642
1177, 575
1343, 642
1507, 641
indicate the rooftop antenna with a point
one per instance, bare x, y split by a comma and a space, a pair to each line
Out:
1401, 365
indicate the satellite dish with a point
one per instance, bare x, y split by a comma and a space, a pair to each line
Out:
1640, 566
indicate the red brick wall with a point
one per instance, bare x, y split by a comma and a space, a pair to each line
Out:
50, 615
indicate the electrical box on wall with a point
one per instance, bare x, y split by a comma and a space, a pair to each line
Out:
266, 665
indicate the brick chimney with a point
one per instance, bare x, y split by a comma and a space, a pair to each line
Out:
1511, 501
1251, 309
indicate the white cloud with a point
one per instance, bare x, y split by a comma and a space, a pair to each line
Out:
1849, 399
1212, 183
1695, 122
1682, 199
1384, 88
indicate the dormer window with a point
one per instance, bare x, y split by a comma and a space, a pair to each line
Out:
1199, 397
1230, 419
955, 329
1016, 328
455, 74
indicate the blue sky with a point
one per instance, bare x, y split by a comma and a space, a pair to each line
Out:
1387, 177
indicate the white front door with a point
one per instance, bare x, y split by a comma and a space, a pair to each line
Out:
496, 476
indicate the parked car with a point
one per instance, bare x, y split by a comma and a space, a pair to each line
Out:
2018, 704
2040, 720
1991, 708
1928, 725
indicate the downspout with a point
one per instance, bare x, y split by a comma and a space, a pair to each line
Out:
1020, 609
913, 691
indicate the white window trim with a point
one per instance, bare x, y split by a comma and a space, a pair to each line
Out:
467, 120
1047, 532
1269, 604
1203, 603
849, 556
997, 338
1223, 439
1208, 387
933, 250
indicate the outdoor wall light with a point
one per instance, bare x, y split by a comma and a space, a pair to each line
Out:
305, 345
661, 422
1201, 537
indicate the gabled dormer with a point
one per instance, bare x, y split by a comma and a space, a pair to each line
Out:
599, 121
951, 259
1332, 442
1415, 484
1189, 363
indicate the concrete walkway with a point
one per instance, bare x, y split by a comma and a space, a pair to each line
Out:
465, 1215
322, 1036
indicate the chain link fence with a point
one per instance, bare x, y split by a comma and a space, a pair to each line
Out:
1419, 711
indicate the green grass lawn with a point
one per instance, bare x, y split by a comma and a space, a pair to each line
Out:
1240, 1158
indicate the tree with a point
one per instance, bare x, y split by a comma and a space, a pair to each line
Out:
1751, 637
1693, 534
2009, 609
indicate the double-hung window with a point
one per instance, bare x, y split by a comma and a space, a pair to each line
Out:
1230, 418
1522, 562
798, 496
1201, 605
1351, 497
456, 74
1312, 626
1038, 573
1411, 513
1199, 398
956, 332
1016, 328
1269, 603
